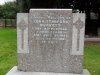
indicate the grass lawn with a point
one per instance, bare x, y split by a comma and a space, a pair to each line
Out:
8, 53
92, 58
7, 50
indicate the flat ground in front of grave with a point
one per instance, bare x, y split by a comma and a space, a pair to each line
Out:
8, 53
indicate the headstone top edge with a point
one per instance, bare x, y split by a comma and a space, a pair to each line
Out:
50, 10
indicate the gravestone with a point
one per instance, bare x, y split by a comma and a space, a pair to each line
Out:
50, 41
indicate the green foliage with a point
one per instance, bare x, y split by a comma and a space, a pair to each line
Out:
1, 12
8, 10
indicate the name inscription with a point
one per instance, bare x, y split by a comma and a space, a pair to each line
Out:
50, 29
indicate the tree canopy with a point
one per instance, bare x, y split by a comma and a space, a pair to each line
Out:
82, 5
8, 10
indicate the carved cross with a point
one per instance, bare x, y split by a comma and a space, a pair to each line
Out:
79, 25
22, 26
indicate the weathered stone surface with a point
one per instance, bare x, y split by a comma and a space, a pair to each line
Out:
22, 40
22, 32
50, 42
78, 34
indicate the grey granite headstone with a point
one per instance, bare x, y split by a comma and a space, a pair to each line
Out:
51, 40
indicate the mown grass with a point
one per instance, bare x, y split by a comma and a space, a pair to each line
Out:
8, 53
92, 58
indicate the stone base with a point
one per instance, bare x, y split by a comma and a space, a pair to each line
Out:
14, 71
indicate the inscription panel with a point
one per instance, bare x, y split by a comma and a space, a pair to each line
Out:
50, 31
49, 27
50, 37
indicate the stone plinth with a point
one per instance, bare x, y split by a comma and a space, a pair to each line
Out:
14, 71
